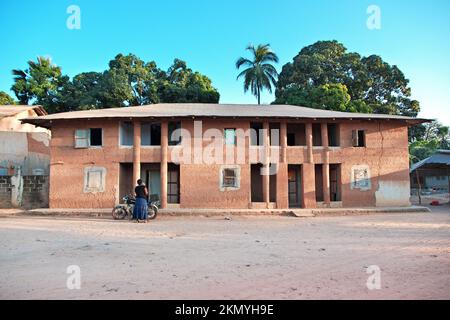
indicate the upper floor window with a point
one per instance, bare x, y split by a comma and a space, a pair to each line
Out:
85, 138
333, 135
150, 134
230, 136
174, 128
256, 136
359, 138
126, 133
317, 134
296, 135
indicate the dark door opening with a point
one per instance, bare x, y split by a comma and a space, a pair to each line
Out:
256, 183
335, 182
319, 182
173, 183
125, 180
294, 186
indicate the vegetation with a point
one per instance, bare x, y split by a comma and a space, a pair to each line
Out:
128, 81
325, 76
5, 98
427, 139
259, 73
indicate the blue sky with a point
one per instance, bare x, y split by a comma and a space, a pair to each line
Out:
211, 34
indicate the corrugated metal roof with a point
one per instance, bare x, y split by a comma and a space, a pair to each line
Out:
440, 157
12, 110
213, 110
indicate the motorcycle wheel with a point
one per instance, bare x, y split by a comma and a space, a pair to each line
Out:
119, 212
152, 212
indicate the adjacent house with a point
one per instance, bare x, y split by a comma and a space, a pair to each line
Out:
24, 157
432, 173
228, 156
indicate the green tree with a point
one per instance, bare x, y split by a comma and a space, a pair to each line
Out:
427, 138
181, 84
41, 83
259, 73
6, 99
381, 87
83, 92
128, 81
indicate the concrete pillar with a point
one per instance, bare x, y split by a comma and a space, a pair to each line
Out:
266, 163
136, 151
309, 143
326, 165
282, 170
163, 167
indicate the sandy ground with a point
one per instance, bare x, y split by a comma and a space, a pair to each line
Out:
214, 258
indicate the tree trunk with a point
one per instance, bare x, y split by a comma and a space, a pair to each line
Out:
259, 96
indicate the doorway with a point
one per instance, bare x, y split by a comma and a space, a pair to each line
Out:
256, 183
173, 183
153, 182
335, 182
294, 186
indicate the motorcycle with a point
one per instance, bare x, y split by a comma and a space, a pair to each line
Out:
125, 210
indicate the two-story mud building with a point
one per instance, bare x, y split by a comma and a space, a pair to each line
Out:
228, 156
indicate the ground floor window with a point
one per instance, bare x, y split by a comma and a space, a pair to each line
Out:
94, 179
229, 177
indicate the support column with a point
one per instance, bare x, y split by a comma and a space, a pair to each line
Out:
136, 151
266, 163
308, 172
282, 170
309, 143
325, 166
163, 166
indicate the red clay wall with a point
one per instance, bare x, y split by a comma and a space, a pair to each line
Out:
386, 155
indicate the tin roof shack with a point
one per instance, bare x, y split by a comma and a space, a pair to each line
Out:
229, 156
431, 176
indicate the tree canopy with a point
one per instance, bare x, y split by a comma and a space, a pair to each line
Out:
325, 75
5, 98
427, 138
128, 81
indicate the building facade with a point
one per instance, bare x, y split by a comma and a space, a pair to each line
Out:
24, 158
228, 156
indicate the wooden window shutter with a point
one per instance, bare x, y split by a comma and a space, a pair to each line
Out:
355, 138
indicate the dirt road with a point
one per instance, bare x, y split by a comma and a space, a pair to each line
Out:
214, 258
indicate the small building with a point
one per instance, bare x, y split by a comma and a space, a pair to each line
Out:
24, 157
229, 156
433, 173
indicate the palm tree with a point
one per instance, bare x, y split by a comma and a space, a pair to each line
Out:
260, 73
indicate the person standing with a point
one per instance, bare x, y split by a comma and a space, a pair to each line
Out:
140, 212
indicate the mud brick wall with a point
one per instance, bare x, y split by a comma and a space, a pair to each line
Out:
5, 192
35, 192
